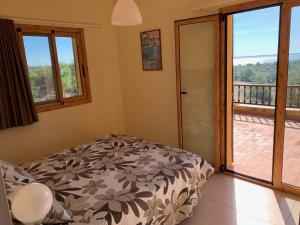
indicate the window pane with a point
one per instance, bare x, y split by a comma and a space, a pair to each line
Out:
255, 61
291, 157
69, 66
40, 68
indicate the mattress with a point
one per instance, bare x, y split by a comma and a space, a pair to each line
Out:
124, 180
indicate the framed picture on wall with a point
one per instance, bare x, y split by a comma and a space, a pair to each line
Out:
151, 50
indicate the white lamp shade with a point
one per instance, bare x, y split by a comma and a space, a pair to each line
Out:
32, 203
126, 13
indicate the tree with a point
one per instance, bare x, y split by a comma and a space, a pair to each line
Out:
42, 82
247, 75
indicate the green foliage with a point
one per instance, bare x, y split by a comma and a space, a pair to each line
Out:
256, 73
265, 73
43, 85
68, 79
294, 73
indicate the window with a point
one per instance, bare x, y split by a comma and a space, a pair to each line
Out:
57, 67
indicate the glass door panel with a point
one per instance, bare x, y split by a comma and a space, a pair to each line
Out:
291, 156
197, 62
253, 38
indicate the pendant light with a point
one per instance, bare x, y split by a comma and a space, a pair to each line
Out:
126, 13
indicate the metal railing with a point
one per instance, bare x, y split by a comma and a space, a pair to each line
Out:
265, 94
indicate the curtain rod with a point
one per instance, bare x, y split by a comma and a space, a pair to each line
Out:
51, 22
216, 4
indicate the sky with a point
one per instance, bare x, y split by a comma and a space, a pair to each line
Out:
257, 32
38, 53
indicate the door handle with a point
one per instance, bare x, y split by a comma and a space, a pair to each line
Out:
184, 92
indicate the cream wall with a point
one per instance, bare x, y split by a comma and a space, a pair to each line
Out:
125, 99
149, 98
71, 126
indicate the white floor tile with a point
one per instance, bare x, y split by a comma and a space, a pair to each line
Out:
230, 201
295, 215
257, 201
211, 213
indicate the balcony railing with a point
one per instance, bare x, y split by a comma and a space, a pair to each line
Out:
265, 94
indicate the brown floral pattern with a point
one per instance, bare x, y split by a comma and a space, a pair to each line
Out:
12, 173
124, 180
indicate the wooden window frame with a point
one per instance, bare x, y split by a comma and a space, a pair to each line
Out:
52, 32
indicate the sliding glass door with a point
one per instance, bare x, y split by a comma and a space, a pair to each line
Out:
262, 92
252, 61
291, 153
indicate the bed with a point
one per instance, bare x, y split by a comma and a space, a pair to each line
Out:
123, 180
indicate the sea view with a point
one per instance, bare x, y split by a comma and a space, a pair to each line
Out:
244, 60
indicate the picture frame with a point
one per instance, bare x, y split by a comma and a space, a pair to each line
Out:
151, 50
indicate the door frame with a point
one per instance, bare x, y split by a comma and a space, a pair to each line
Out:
282, 96
217, 87
282, 78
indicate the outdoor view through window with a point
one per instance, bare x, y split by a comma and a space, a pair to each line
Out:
255, 57
68, 66
291, 157
40, 66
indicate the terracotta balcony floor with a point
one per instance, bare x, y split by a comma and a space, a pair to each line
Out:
253, 148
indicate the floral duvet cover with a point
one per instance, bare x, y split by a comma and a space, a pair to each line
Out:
124, 180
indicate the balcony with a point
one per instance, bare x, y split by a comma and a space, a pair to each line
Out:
264, 94
254, 111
